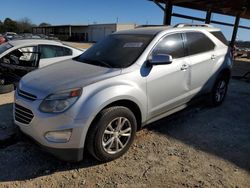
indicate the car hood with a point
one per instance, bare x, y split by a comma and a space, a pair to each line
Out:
64, 75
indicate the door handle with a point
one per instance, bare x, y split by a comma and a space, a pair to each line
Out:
184, 67
213, 57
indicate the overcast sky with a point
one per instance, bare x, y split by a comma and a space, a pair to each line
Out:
103, 11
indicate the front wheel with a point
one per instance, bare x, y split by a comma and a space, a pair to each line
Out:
112, 133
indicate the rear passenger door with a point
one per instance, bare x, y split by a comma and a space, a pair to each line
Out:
202, 56
51, 54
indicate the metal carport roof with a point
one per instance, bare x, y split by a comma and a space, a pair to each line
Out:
237, 8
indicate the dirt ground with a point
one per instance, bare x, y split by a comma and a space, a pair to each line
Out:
197, 147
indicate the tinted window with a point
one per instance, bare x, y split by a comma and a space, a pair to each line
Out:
5, 47
50, 51
171, 45
118, 50
198, 43
220, 36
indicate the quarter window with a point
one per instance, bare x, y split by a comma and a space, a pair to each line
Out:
50, 51
198, 43
171, 45
220, 36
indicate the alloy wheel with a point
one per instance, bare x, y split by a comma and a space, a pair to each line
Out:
116, 135
220, 91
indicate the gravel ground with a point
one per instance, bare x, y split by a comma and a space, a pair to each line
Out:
197, 147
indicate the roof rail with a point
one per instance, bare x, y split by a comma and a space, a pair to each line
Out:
192, 25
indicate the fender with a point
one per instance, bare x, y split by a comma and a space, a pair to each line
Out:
96, 100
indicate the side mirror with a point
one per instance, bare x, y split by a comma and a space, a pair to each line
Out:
160, 59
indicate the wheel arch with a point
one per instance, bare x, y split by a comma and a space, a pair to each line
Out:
131, 105
225, 72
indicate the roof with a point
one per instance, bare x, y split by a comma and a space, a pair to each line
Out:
66, 25
145, 30
84, 25
228, 7
25, 42
155, 30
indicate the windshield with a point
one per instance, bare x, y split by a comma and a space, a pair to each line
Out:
5, 47
116, 51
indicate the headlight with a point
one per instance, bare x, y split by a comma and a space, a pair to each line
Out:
61, 101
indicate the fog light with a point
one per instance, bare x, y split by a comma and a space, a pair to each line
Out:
58, 136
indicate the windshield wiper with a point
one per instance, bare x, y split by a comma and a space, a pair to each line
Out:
100, 62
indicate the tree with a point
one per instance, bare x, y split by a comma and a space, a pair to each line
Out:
24, 25
44, 24
10, 25
1, 27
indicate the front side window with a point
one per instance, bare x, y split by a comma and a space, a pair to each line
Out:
171, 45
26, 56
116, 51
51, 51
198, 43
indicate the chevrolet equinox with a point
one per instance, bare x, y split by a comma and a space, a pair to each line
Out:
131, 78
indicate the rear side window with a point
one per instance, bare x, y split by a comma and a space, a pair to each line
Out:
220, 36
171, 45
51, 51
198, 43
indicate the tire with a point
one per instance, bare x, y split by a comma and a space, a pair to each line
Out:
7, 88
104, 136
219, 91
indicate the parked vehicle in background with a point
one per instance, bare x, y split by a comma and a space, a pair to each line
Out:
18, 57
10, 35
2, 39
100, 99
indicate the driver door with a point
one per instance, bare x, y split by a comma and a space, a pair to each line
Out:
168, 85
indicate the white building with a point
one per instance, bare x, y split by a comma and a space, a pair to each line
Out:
99, 31
88, 33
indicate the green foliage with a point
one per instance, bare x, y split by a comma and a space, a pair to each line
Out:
10, 25
23, 25
1, 27
44, 24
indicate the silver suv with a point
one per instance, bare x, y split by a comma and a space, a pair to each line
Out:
100, 99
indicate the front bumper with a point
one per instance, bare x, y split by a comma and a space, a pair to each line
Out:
65, 154
41, 123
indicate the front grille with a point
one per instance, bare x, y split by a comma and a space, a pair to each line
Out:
26, 95
23, 115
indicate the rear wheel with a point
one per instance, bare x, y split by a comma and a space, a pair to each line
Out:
219, 91
112, 133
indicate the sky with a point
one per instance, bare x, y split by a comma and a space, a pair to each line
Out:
58, 12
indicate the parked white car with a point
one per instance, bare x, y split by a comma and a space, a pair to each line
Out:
16, 51
18, 57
